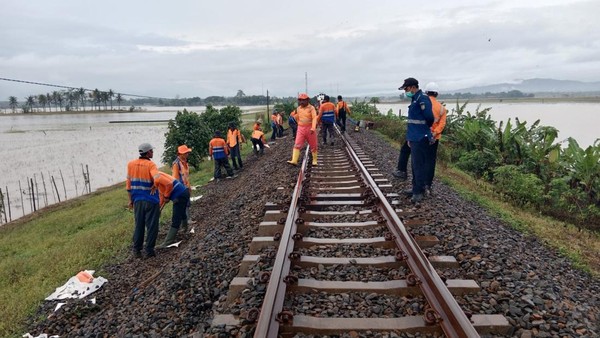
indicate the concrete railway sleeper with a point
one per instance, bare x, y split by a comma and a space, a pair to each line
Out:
340, 257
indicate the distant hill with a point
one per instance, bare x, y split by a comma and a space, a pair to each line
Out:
535, 86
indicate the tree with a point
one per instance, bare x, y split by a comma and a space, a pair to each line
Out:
189, 129
119, 100
29, 102
13, 103
81, 93
111, 94
42, 101
240, 93
216, 119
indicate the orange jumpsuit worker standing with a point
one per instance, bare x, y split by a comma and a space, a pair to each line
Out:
307, 126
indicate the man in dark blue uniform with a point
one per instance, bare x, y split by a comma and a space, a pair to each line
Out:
418, 134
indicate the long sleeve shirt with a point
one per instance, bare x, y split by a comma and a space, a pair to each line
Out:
307, 116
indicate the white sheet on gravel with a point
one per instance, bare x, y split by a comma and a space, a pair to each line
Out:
73, 288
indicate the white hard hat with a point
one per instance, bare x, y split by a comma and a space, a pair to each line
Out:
432, 87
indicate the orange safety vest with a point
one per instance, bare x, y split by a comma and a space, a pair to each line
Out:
141, 174
181, 171
259, 135
343, 104
233, 137
439, 117
217, 148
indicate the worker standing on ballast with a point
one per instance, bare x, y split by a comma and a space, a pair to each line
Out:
307, 126
170, 189
327, 116
181, 171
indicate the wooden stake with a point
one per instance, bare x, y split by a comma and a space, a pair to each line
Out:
8, 200
74, 180
64, 186
32, 195
21, 191
54, 181
45, 191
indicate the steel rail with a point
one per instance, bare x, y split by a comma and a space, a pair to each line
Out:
452, 318
267, 324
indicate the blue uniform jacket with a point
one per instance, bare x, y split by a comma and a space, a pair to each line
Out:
420, 118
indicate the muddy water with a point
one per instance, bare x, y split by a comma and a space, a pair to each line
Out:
63, 146
572, 119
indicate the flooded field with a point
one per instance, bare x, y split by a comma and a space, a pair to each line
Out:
56, 149
577, 120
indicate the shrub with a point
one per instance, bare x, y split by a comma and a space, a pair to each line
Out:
479, 163
189, 129
520, 188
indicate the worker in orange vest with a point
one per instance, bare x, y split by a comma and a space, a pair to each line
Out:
327, 116
170, 189
274, 125
141, 187
279, 124
234, 140
258, 141
307, 126
218, 151
343, 110
439, 123
181, 171
293, 122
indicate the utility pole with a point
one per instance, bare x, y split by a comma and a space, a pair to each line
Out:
306, 82
268, 105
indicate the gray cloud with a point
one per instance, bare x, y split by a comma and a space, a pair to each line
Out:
191, 48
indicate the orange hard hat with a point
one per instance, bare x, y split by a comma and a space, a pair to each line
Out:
183, 149
303, 96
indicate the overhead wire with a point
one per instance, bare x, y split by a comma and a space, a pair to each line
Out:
78, 88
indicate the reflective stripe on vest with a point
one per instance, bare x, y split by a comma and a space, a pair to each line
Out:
416, 121
328, 116
219, 152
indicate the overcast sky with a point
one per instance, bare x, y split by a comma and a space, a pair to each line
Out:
203, 48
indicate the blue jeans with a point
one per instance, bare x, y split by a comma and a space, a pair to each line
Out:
146, 215
419, 161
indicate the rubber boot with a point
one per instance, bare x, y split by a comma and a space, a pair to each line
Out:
295, 157
170, 238
184, 226
314, 159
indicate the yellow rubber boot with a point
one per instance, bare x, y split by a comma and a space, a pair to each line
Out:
314, 154
295, 157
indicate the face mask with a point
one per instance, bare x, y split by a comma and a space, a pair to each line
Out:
409, 94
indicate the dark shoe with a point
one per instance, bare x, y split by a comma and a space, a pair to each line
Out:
407, 192
137, 254
150, 254
428, 192
331, 143
416, 198
400, 175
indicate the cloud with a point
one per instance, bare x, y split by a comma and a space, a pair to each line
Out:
206, 48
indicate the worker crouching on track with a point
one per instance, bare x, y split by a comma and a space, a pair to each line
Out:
307, 126
217, 149
258, 141
170, 189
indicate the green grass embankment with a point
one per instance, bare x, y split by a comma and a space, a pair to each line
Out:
41, 251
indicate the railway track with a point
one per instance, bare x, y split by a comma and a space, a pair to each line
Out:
339, 259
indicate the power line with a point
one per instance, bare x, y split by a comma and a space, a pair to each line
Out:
78, 88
